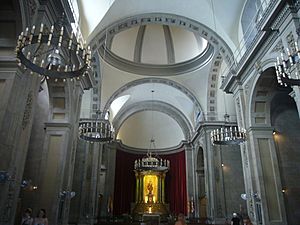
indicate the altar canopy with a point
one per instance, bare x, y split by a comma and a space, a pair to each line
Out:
125, 184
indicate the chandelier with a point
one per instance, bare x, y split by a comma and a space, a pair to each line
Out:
285, 66
228, 135
150, 162
96, 130
53, 53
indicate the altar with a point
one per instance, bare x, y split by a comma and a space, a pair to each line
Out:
150, 173
154, 219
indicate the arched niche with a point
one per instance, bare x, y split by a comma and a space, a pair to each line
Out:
286, 123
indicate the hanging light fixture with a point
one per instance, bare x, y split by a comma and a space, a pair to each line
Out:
97, 130
150, 162
52, 52
285, 66
228, 135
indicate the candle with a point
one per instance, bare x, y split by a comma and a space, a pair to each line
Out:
41, 28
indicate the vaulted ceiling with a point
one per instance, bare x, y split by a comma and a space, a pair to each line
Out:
160, 64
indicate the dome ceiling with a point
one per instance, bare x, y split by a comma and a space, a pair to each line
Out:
142, 47
158, 44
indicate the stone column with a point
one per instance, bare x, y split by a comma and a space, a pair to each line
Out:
57, 164
18, 93
295, 94
90, 184
268, 196
191, 179
249, 181
208, 155
110, 163
98, 193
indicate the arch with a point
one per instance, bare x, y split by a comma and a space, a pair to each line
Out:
261, 94
168, 82
103, 39
286, 123
158, 106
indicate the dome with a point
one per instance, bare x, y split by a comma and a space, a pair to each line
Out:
156, 49
157, 44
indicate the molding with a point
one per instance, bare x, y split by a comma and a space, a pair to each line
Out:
214, 42
139, 44
154, 69
273, 17
162, 151
169, 44
62, 124
168, 82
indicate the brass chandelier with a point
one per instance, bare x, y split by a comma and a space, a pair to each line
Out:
96, 130
228, 135
150, 162
285, 65
52, 52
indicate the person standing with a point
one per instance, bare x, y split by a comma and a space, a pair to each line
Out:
235, 220
180, 219
246, 221
41, 218
27, 218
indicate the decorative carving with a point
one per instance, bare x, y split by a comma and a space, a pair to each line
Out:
27, 111
278, 47
163, 19
32, 6
7, 210
213, 83
291, 42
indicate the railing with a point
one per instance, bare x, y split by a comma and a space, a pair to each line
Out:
250, 38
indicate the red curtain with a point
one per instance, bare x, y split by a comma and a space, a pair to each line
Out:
175, 183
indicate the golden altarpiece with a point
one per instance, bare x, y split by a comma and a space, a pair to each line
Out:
150, 173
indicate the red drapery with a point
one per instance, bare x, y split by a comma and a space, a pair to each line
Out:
175, 183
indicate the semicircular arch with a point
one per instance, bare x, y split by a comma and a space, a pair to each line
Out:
158, 106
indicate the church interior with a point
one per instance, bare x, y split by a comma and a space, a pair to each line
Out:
135, 111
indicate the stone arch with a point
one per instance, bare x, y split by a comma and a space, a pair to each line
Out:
216, 43
261, 95
171, 83
159, 106
286, 123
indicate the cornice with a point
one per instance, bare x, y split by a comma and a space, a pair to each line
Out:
168, 82
214, 42
162, 151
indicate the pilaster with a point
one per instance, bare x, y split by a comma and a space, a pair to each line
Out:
18, 96
267, 193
